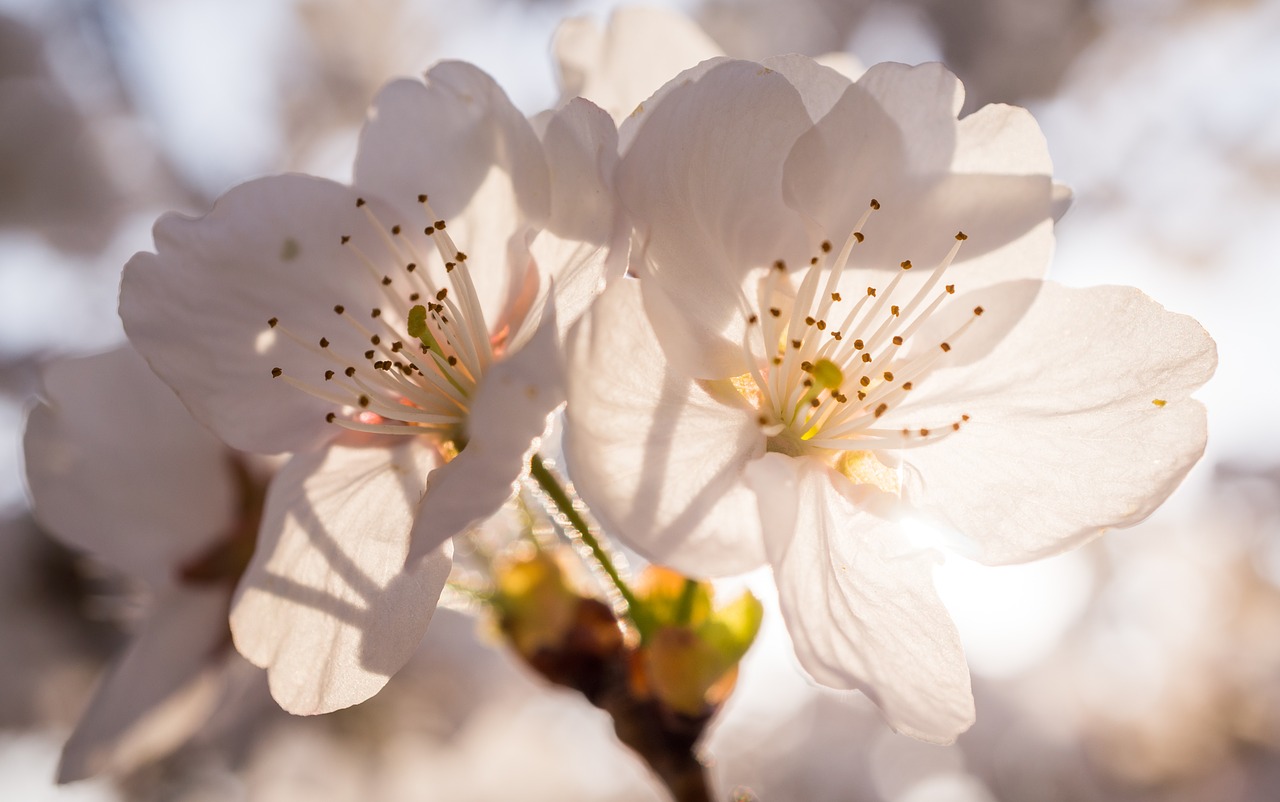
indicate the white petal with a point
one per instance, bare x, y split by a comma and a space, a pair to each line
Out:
117, 467
1080, 419
327, 605
1001, 139
186, 635
702, 182
859, 152
656, 456
459, 140
819, 85
199, 308
508, 414
638, 51
924, 102
584, 243
859, 601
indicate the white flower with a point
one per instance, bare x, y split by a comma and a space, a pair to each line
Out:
116, 467
392, 335
841, 318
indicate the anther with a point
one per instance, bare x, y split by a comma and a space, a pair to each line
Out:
893, 310
276, 373
339, 309
375, 339
780, 265
858, 344
864, 381
370, 354
961, 236
462, 257
328, 374
422, 199
330, 417
806, 366
906, 265
888, 376
753, 319
440, 296
945, 346
880, 410
822, 325
412, 266
775, 311
871, 291
453, 360
866, 357
795, 344
907, 386
835, 296
359, 202
395, 230
826, 246
809, 321
897, 340
363, 401
857, 235
345, 239
324, 342
978, 310
875, 204
273, 322
429, 230
951, 289
349, 372
375, 313
386, 280
414, 296
439, 224
835, 335
924, 432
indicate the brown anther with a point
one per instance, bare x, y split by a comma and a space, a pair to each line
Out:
777, 360
978, 310
964, 417
807, 383
328, 374
453, 360
349, 372
809, 320
871, 291
835, 335
880, 410
329, 418
395, 230
375, 312
857, 235
429, 230
946, 346
386, 280
888, 376
866, 357
345, 239
858, 344
897, 340
363, 401
449, 266
951, 289
375, 339
806, 366
826, 246
813, 260
396, 346
822, 325
762, 420
412, 266
339, 309
413, 296
861, 395
324, 342
864, 381
961, 236
462, 257
905, 265
795, 344
907, 385
439, 224
875, 204
815, 403
751, 321
273, 322
370, 354
835, 296
440, 296
893, 310
422, 199
955, 427
276, 373
775, 311
779, 265
359, 202
924, 432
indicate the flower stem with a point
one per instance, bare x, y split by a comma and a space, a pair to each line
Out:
551, 486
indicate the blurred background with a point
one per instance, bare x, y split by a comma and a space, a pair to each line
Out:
1145, 666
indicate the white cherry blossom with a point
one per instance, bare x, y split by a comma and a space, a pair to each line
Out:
118, 469
397, 336
841, 319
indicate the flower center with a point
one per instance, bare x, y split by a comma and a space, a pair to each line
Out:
826, 368
427, 340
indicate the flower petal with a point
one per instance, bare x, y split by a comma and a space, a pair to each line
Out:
200, 309
702, 181
186, 635
509, 413
584, 243
622, 65
656, 455
327, 605
859, 601
1080, 420
819, 85
459, 140
118, 468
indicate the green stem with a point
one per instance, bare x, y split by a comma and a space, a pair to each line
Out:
551, 486
684, 606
